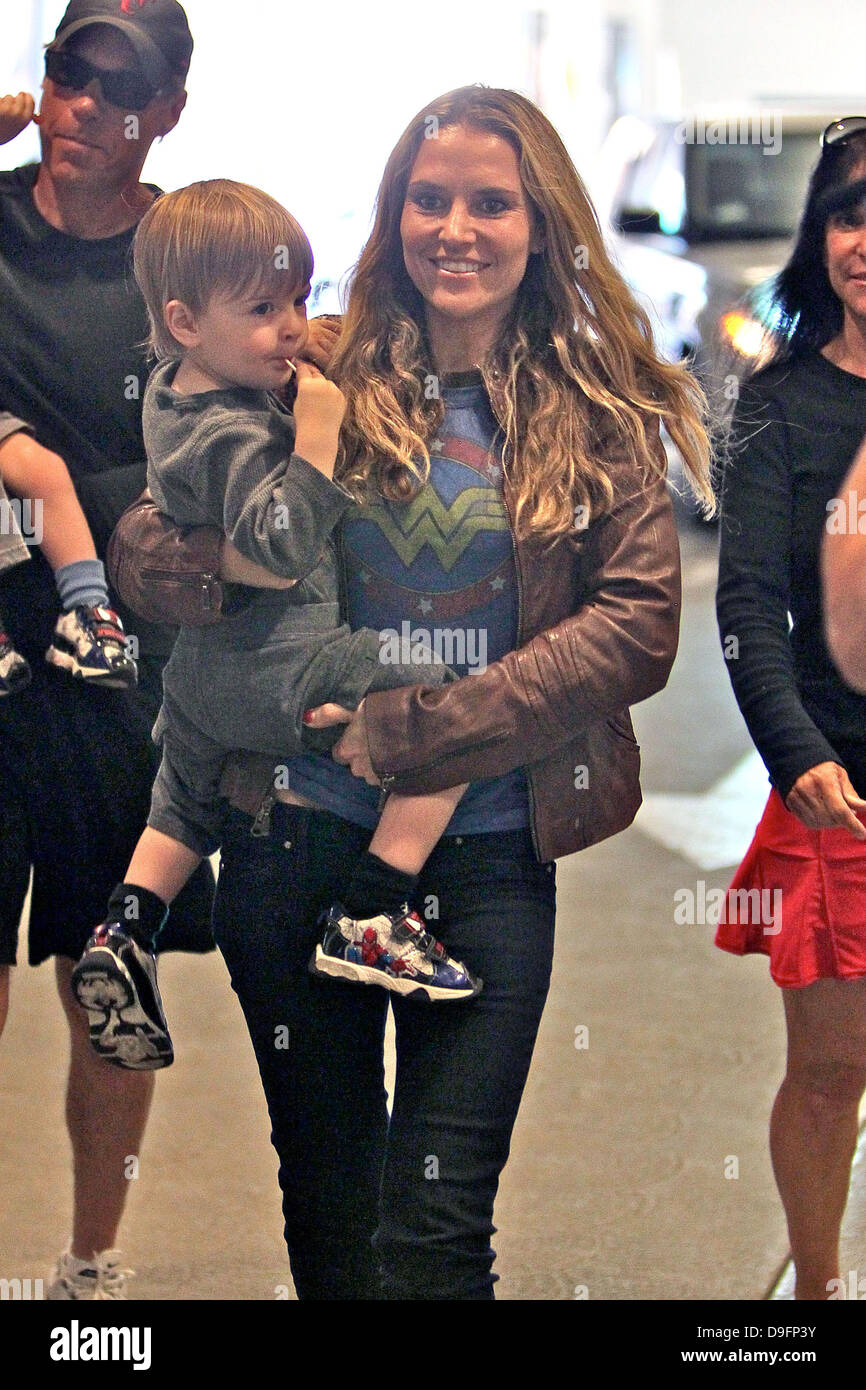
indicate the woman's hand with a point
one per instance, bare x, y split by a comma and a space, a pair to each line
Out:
823, 797
322, 335
352, 749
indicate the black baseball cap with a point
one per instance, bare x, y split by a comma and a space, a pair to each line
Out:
157, 29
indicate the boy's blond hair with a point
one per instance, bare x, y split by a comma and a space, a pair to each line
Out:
217, 235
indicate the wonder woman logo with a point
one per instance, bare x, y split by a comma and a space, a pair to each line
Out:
447, 530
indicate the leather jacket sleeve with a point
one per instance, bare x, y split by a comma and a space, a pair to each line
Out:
164, 573
616, 649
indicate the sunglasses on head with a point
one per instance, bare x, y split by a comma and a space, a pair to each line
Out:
840, 131
122, 87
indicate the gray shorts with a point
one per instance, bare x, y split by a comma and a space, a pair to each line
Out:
13, 549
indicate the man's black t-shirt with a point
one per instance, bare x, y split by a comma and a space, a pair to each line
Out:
73, 365
73, 320
797, 428
76, 763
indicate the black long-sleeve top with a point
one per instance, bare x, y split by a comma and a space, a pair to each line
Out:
796, 430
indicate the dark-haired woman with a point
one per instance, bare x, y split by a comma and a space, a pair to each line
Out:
501, 435
797, 427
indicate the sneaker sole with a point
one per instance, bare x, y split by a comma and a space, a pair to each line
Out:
332, 966
105, 967
92, 674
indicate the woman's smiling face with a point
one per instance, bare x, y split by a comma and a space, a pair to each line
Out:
845, 253
467, 230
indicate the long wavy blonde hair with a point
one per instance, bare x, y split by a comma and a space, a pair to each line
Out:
574, 373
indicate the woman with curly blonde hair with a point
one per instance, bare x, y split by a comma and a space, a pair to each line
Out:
504, 401
573, 338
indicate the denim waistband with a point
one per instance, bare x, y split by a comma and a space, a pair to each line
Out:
284, 817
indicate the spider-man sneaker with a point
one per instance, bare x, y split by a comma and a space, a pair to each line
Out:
393, 950
115, 981
14, 668
90, 643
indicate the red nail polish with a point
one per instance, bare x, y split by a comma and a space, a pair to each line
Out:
307, 716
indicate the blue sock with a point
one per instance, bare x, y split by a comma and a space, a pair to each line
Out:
82, 585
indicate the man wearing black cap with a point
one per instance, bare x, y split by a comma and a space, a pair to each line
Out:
76, 763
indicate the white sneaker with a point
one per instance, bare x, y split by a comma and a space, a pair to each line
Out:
99, 1278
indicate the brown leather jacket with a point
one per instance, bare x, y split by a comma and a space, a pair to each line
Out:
598, 627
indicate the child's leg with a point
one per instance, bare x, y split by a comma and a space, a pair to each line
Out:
89, 640
39, 476
161, 865
36, 474
115, 980
411, 826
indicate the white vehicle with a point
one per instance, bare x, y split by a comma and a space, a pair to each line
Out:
705, 213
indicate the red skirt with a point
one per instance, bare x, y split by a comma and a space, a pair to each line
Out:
799, 897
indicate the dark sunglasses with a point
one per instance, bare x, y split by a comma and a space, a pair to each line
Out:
840, 131
123, 88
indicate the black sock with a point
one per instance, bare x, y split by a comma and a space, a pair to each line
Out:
377, 887
138, 912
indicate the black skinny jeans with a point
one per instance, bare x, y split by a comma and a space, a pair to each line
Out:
399, 1210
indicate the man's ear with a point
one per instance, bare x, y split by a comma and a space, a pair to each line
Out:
181, 323
174, 107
